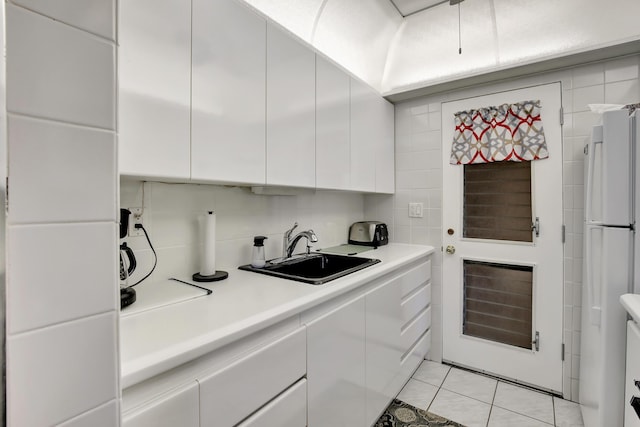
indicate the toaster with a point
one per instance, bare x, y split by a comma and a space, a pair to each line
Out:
368, 233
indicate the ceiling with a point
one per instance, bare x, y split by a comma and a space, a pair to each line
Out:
402, 47
408, 7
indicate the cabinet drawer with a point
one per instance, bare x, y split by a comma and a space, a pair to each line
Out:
414, 278
411, 360
417, 301
233, 393
287, 410
177, 407
415, 355
411, 332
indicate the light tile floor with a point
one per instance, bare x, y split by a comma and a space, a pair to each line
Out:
477, 400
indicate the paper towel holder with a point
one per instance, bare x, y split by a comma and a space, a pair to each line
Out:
209, 232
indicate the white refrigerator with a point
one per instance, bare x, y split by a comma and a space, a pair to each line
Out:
611, 198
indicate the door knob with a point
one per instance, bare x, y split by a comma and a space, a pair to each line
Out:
451, 249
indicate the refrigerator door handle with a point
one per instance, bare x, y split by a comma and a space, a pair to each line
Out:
596, 138
595, 310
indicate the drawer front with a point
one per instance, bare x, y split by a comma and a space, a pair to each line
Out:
176, 408
411, 360
415, 355
233, 393
414, 278
415, 302
287, 410
415, 329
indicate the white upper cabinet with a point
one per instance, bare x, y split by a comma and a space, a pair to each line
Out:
363, 147
385, 146
372, 141
228, 93
154, 77
333, 169
291, 107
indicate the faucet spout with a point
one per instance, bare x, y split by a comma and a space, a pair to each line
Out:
286, 239
291, 245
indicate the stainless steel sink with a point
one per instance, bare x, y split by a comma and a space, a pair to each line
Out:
314, 268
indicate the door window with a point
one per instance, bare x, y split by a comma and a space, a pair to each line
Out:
497, 201
497, 302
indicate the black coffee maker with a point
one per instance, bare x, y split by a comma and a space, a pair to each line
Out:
127, 261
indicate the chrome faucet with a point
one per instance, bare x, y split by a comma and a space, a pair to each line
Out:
289, 243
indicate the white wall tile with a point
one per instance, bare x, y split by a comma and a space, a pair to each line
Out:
60, 172
625, 92
94, 16
59, 273
588, 76
59, 372
103, 416
622, 69
58, 72
587, 95
420, 123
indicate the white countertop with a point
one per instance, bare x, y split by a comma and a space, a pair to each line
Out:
159, 339
631, 302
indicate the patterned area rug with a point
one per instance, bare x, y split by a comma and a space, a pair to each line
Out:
400, 414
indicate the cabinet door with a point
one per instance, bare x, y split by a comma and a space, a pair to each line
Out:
228, 93
179, 407
332, 127
290, 111
335, 367
363, 128
154, 78
385, 146
382, 347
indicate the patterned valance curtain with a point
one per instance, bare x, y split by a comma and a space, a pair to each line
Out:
508, 132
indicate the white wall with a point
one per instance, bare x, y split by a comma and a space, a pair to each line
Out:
171, 218
61, 313
419, 179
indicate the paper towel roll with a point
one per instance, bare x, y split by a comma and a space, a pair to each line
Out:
208, 233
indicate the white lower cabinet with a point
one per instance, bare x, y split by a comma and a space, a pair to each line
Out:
236, 391
178, 407
335, 367
341, 367
383, 351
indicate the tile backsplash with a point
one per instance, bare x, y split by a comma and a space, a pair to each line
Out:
171, 214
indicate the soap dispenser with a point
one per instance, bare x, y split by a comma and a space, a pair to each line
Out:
257, 260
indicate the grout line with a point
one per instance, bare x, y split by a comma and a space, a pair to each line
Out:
495, 390
87, 32
553, 406
19, 114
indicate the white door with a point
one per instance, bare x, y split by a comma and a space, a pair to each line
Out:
474, 316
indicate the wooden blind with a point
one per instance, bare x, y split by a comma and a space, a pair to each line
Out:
498, 302
497, 201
